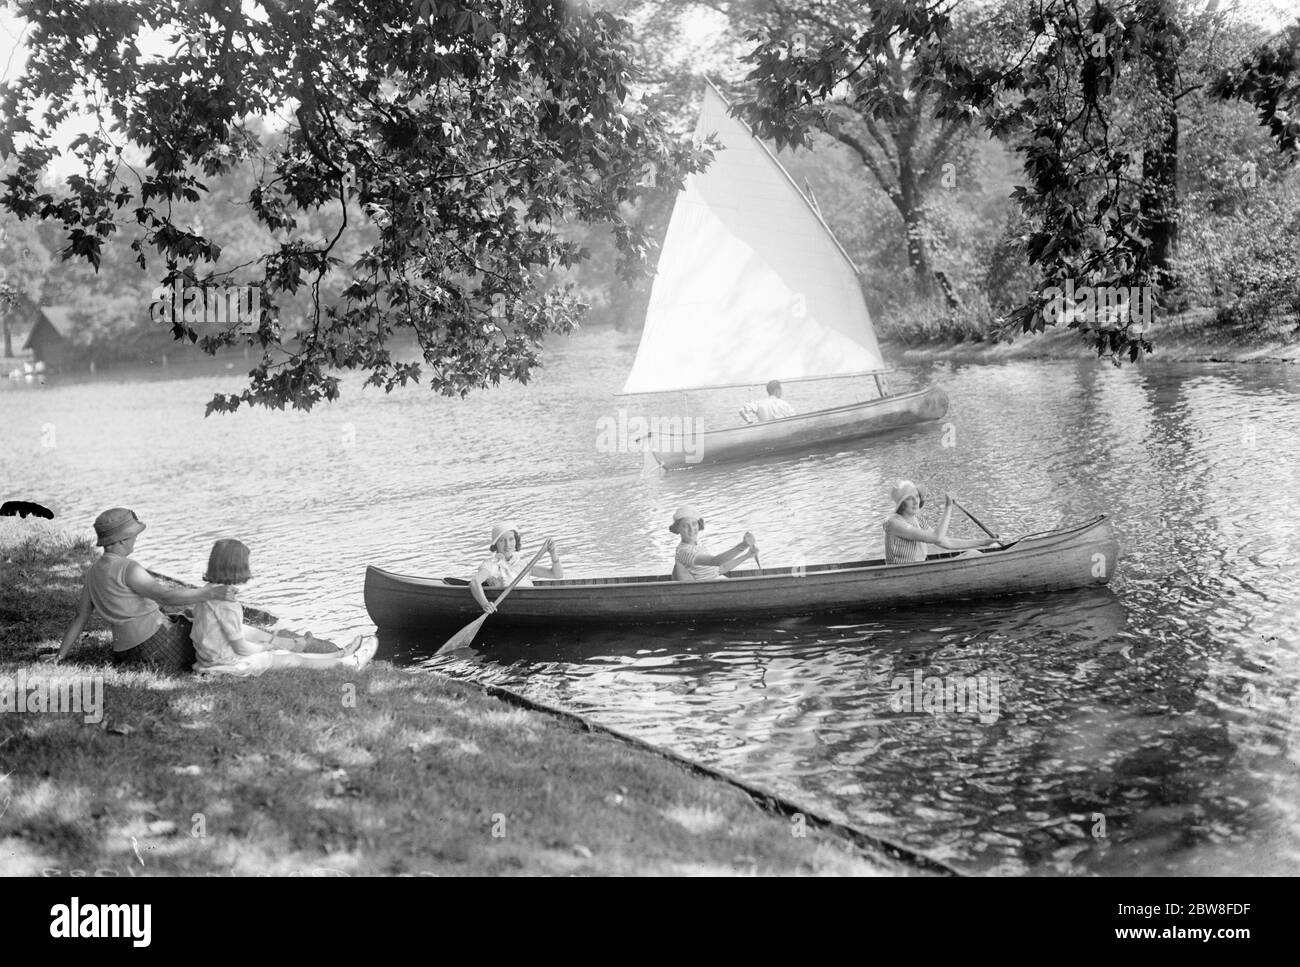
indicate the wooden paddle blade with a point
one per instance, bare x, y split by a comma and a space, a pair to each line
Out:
462, 638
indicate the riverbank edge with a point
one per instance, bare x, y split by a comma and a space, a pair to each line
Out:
768, 801
285, 778
1191, 338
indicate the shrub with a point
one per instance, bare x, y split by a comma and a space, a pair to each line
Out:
931, 320
1246, 263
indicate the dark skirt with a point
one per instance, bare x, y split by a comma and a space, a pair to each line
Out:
169, 649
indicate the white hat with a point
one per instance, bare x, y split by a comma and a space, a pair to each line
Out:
902, 490
686, 512
502, 528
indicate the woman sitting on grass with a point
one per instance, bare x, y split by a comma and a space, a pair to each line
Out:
692, 562
128, 597
225, 645
906, 537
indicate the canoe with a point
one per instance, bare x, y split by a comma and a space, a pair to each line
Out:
1075, 557
804, 431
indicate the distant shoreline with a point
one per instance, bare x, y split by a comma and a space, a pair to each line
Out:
1180, 339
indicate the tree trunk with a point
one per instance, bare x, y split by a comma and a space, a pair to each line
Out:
4, 320
908, 203
1159, 199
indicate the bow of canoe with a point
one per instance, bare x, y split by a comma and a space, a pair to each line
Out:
1074, 557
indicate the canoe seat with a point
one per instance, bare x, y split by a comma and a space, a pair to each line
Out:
458, 582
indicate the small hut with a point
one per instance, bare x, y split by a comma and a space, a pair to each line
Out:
48, 339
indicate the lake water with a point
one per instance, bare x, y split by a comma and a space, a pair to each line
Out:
1148, 728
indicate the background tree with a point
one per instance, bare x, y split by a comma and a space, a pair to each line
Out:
467, 132
907, 151
24, 265
1100, 202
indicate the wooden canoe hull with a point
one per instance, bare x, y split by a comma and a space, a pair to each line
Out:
805, 431
1078, 557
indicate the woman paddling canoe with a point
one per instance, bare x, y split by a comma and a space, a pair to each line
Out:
906, 538
506, 562
692, 562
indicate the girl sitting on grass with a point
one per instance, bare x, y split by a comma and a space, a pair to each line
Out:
225, 645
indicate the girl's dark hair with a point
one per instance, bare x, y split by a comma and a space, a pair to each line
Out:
228, 563
672, 528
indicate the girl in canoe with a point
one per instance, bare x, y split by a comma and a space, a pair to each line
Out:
225, 645
506, 562
906, 537
692, 562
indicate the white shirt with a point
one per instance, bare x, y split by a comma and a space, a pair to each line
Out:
772, 408
498, 572
218, 625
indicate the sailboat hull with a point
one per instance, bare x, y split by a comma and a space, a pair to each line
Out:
805, 431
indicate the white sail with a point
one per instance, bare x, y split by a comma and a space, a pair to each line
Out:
751, 285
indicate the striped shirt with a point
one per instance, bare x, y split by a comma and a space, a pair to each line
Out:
900, 550
686, 554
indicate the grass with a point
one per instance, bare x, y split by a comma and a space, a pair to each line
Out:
384, 772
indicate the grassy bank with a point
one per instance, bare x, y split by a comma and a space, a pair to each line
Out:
383, 772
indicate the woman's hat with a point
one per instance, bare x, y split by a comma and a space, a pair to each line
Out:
686, 512
902, 490
501, 529
116, 525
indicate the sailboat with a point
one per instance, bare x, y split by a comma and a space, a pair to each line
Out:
753, 286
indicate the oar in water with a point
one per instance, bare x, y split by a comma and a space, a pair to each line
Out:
462, 638
977, 522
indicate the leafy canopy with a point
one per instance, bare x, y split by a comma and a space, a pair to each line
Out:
464, 134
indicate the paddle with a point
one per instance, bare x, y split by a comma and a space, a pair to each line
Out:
757, 560
977, 522
462, 638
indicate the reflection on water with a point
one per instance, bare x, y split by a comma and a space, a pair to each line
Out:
1147, 728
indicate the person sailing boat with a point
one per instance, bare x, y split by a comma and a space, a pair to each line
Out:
751, 278
772, 408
